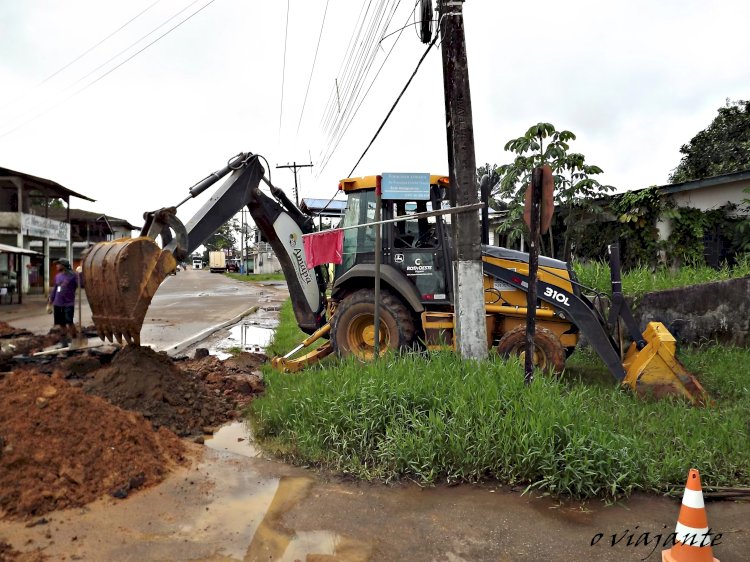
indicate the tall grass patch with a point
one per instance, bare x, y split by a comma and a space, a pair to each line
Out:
435, 418
640, 280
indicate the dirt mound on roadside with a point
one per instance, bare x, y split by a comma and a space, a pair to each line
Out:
148, 382
61, 448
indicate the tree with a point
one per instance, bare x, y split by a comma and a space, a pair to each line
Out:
721, 148
574, 185
223, 238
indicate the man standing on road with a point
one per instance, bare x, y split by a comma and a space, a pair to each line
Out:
62, 300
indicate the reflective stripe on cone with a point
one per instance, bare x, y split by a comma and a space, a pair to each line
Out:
692, 527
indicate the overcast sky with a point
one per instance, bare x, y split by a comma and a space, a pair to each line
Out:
633, 80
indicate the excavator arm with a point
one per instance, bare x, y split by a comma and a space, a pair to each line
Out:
122, 276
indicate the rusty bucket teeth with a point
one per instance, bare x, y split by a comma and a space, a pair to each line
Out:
121, 278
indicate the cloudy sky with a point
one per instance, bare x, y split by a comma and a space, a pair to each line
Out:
133, 102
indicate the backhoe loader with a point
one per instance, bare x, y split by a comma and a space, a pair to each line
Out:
417, 292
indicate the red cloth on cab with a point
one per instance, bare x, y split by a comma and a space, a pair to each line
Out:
323, 247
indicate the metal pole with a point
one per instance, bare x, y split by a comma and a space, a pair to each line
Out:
378, 250
534, 227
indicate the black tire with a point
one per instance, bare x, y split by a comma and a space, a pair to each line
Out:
550, 354
352, 325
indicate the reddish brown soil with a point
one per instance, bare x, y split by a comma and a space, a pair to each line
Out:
7, 554
61, 448
83, 424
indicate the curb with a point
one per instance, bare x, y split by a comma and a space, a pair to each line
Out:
180, 347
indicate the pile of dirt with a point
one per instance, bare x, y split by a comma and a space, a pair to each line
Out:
61, 448
17, 341
189, 399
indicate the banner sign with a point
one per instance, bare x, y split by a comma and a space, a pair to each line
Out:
32, 225
406, 187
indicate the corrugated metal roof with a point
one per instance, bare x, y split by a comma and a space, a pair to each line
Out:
317, 204
43, 184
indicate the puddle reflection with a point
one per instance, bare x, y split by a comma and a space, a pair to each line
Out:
247, 336
236, 438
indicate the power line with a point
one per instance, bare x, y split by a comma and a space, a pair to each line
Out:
353, 82
395, 103
86, 52
82, 78
315, 58
350, 118
110, 71
283, 68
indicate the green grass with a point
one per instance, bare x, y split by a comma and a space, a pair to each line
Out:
258, 277
287, 335
435, 418
641, 280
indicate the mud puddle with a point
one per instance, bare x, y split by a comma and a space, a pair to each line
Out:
236, 438
253, 335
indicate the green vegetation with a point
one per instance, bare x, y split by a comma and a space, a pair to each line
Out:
439, 419
434, 418
256, 277
640, 280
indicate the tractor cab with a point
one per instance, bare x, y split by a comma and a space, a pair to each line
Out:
416, 250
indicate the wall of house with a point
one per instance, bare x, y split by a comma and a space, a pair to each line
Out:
705, 199
713, 197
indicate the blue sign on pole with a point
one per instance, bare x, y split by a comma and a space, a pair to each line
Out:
407, 187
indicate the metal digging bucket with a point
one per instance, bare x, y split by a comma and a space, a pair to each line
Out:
121, 278
655, 371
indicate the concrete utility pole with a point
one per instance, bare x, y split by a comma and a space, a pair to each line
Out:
294, 166
471, 328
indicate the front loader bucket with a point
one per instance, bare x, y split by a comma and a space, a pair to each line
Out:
655, 371
120, 279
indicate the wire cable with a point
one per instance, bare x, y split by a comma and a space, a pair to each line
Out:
283, 68
353, 93
110, 71
79, 57
125, 50
434, 40
330, 153
315, 58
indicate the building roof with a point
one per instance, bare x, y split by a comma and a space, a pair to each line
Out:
705, 182
45, 186
324, 207
5, 249
89, 216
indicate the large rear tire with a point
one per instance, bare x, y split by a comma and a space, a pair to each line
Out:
353, 325
549, 354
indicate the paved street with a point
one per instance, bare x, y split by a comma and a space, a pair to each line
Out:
187, 307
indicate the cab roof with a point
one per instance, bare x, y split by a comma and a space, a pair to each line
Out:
369, 182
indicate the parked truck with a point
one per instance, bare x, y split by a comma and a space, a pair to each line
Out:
217, 262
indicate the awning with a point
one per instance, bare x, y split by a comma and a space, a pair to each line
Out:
5, 249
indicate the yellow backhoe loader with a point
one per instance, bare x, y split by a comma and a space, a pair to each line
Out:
416, 305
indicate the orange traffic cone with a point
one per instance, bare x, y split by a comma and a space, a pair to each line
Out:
693, 540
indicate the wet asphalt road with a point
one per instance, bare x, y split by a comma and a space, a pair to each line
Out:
187, 308
191, 305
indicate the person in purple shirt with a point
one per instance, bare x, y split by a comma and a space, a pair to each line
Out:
62, 300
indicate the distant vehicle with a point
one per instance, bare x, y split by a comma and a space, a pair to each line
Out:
197, 263
217, 262
233, 266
